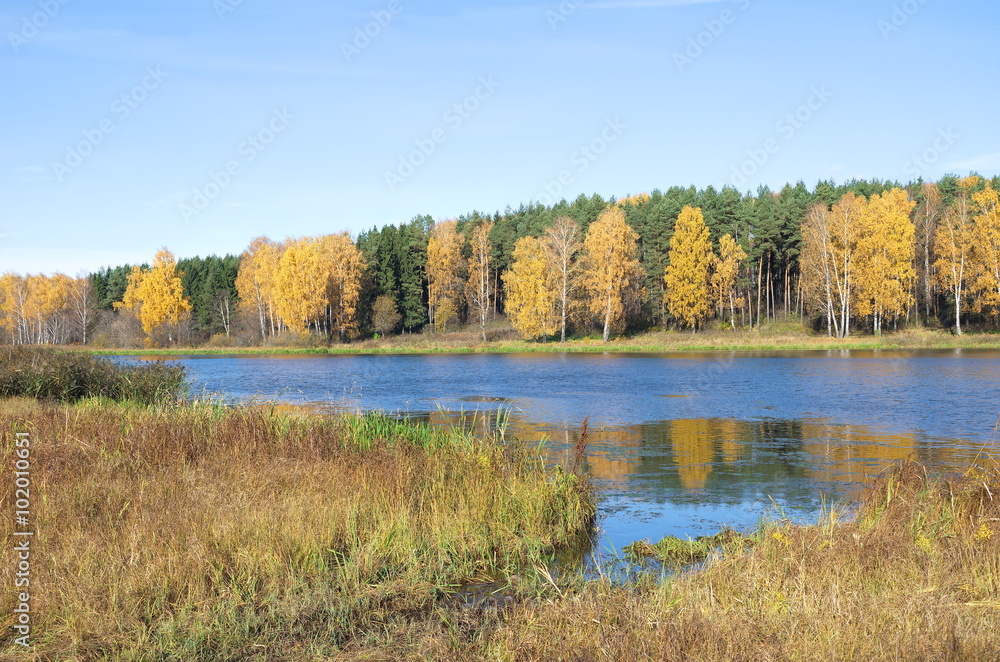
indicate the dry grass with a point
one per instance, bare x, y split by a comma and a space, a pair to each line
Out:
194, 532
914, 576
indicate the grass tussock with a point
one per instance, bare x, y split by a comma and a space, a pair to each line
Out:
914, 575
44, 373
198, 532
676, 552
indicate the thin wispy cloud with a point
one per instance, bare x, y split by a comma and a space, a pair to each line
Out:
31, 173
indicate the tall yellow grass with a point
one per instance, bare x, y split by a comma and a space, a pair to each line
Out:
196, 532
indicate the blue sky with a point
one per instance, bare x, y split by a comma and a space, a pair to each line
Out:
199, 124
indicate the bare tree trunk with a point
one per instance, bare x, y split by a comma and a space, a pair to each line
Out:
760, 275
607, 318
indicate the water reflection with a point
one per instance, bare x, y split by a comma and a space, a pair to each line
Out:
693, 476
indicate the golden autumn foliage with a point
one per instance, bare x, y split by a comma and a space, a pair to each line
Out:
926, 217
634, 200
883, 269
345, 267
858, 259
385, 314
726, 269
986, 242
255, 282
45, 309
444, 270
687, 276
845, 224
300, 284
612, 274
318, 284
953, 243
156, 297
531, 290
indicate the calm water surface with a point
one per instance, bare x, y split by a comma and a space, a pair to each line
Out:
680, 444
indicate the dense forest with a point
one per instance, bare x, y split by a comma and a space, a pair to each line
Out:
858, 257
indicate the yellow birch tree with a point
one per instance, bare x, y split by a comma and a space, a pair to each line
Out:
846, 222
953, 248
884, 272
301, 284
255, 282
345, 266
725, 271
687, 276
612, 275
986, 250
531, 290
444, 266
926, 215
156, 296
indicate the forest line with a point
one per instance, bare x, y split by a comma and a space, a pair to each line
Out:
866, 256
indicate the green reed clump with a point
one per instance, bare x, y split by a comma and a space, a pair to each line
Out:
202, 532
46, 373
684, 551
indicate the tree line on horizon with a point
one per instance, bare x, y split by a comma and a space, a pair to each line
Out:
864, 256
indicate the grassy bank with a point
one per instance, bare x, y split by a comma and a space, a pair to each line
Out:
196, 532
777, 337
915, 575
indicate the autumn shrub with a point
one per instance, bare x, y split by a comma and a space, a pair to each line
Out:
41, 372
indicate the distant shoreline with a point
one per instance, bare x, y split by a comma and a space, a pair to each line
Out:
648, 343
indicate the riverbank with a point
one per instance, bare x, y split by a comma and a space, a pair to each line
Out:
767, 339
199, 532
